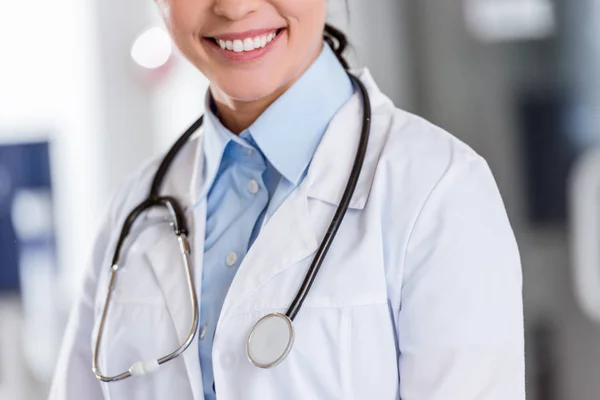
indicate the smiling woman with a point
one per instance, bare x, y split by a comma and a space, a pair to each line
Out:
306, 181
246, 80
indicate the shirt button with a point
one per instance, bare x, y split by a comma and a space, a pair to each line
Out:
203, 332
253, 186
249, 152
231, 259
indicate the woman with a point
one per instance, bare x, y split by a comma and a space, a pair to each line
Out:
419, 296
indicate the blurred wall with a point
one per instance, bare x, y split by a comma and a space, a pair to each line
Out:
471, 89
48, 84
47, 93
144, 111
378, 41
378, 33
126, 109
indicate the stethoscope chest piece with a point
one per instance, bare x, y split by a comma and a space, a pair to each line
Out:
270, 340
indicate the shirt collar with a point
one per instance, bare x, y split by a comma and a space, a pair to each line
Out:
290, 130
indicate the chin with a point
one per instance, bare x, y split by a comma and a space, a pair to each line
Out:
252, 87
249, 91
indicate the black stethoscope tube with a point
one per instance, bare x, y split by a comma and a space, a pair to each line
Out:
342, 209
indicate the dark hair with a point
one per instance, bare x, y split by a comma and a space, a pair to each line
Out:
338, 42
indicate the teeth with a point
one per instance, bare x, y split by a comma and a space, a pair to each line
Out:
248, 44
238, 46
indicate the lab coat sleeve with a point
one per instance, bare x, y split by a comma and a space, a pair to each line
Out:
73, 378
460, 323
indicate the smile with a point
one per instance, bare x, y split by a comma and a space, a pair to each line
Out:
246, 44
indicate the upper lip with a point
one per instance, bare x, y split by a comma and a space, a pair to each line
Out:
244, 35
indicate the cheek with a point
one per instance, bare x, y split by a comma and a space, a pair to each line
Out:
307, 19
303, 11
296, 7
183, 19
183, 16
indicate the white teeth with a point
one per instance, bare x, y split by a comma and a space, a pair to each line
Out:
248, 44
238, 46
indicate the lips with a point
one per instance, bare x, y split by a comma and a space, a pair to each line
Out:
246, 46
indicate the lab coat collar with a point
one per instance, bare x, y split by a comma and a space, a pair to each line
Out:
330, 169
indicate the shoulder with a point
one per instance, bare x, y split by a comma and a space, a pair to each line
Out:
439, 206
425, 177
410, 149
417, 155
416, 138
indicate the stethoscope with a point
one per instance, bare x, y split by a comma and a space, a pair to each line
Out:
272, 337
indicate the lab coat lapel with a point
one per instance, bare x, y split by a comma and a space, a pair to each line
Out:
184, 182
286, 239
292, 235
333, 161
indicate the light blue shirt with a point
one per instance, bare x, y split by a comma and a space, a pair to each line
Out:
250, 176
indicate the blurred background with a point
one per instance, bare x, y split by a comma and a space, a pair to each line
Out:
90, 89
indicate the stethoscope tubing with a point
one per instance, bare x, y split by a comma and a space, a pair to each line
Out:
340, 213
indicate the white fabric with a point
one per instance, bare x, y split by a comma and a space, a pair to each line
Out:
419, 298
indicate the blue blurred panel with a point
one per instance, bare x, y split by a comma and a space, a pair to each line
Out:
550, 146
21, 166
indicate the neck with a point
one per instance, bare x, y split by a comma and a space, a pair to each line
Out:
237, 115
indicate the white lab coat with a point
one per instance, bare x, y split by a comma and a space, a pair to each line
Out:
419, 298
